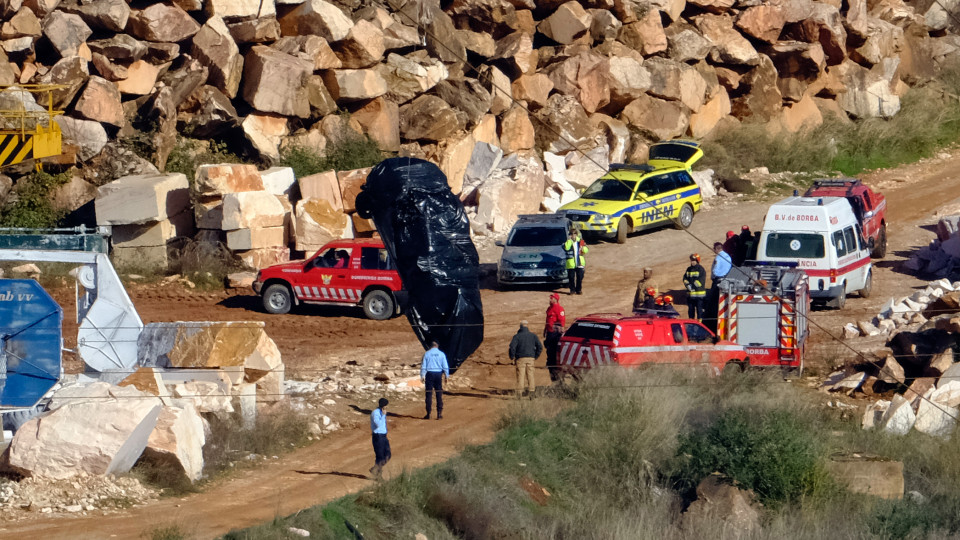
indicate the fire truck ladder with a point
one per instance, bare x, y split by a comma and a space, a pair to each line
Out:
29, 134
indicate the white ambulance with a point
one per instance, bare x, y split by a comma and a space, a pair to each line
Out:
822, 235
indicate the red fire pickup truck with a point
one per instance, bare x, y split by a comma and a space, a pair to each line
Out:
355, 272
869, 206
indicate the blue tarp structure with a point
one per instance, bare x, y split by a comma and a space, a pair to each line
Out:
30, 342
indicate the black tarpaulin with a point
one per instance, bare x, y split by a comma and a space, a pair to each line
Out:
426, 231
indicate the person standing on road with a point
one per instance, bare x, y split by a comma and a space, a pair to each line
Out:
732, 244
433, 371
721, 264
695, 281
575, 249
552, 330
641, 289
381, 446
745, 246
525, 348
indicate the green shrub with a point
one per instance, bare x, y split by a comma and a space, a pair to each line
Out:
773, 453
32, 208
346, 152
908, 518
165, 532
188, 154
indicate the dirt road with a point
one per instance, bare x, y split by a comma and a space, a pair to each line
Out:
317, 338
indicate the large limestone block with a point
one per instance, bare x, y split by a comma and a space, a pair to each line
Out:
380, 119
264, 131
264, 362
323, 186
158, 233
454, 156
109, 15
140, 199
685, 44
362, 47
936, 419
730, 45
824, 25
251, 209
629, 80
279, 181
70, 72
763, 101
215, 48
66, 32
318, 18
318, 223
877, 477
147, 380
273, 81
96, 437
709, 116
516, 131
205, 396
178, 440
867, 92
899, 418
270, 386
264, 257
88, 136
645, 35
241, 9
23, 23
569, 23
162, 23
141, 78
429, 118
351, 183
262, 237
517, 49
563, 125
764, 22
220, 179
467, 96
208, 214
508, 193
663, 120
264, 30
354, 84
100, 102
406, 77
676, 81
201, 344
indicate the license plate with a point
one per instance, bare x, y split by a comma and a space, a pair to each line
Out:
534, 273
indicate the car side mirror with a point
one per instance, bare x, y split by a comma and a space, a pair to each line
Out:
498, 243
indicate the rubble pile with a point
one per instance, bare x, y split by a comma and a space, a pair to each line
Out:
917, 372
908, 312
82, 493
594, 83
940, 258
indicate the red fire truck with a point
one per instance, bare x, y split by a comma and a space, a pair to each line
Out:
764, 308
345, 272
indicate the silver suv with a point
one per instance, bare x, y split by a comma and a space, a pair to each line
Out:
533, 252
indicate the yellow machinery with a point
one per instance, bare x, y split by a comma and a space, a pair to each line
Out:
29, 132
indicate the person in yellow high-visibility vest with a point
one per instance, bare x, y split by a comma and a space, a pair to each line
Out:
695, 280
575, 249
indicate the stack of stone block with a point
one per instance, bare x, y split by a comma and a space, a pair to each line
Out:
150, 217
327, 209
234, 206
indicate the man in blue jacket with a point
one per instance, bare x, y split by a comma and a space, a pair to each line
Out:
433, 371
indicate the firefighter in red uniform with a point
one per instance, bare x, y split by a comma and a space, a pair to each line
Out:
552, 330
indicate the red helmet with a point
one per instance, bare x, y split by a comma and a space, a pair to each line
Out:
667, 299
695, 257
731, 234
659, 301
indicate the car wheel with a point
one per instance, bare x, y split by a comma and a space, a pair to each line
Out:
880, 249
623, 229
378, 305
842, 299
277, 299
685, 219
867, 285
732, 369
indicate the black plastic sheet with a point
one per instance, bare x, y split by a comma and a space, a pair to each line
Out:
425, 228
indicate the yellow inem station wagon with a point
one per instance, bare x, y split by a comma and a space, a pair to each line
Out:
636, 197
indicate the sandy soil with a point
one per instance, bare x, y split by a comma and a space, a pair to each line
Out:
314, 339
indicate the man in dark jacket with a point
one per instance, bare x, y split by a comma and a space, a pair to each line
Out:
745, 247
525, 348
695, 281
